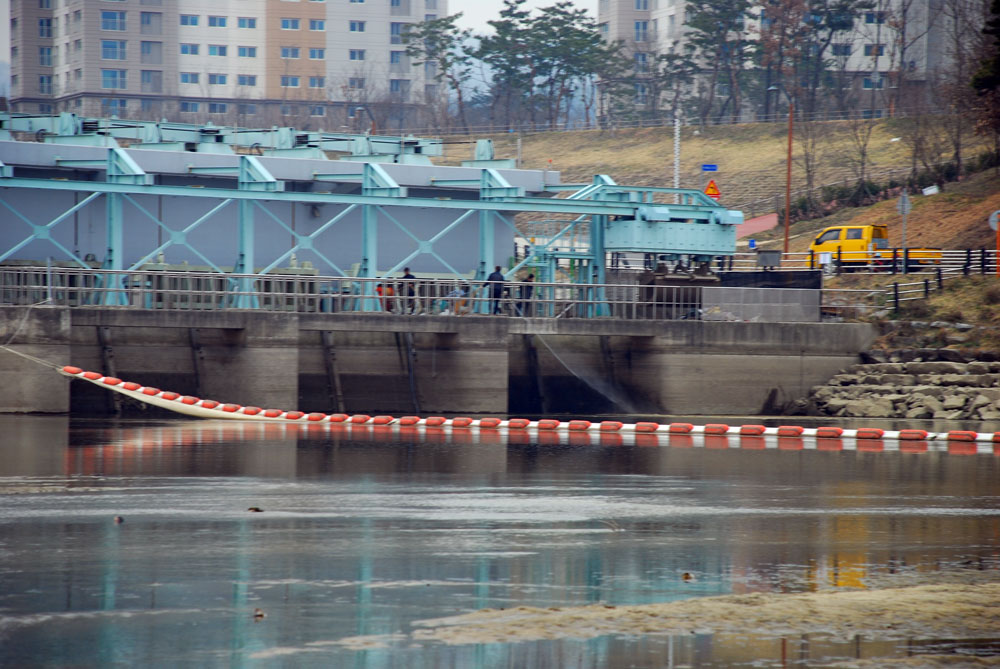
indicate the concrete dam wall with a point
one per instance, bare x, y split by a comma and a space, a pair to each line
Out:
395, 364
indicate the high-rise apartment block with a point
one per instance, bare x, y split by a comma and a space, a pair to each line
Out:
251, 62
889, 42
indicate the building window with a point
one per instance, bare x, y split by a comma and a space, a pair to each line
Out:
357, 2
431, 4
875, 17
217, 50
189, 107
216, 21
396, 33
246, 109
246, 22
317, 54
317, 24
112, 20
641, 63
841, 49
45, 27
45, 84
641, 31
44, 108
874, 49
642, 5
246, 51
357, 54
217, 107
317, 82
151, 81
289, 24
113, 106
288, 81
113, 78
357, 26
290, 52
151, 53
878, 83
246, 80
189, 77
45, 55
45, 4
317, 111
400, 89
189, 19
356, 82
216, 79
112, 49
189, 49
641, 94
151, 23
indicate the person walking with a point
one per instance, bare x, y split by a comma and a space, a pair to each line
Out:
524, 308
411, 290
495, 283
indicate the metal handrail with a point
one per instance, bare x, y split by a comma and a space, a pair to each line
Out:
213, 291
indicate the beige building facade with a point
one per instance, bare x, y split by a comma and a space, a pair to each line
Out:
319, 63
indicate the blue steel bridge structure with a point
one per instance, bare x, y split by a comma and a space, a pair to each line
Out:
113, 194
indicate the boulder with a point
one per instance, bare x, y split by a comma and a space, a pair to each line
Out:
897, 380
953, 402
921, 412
950, 355
935, 368
932, 404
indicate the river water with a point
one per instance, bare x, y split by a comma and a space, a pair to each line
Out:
361, 534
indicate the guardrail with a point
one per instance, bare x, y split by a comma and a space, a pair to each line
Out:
212, 291
962, 261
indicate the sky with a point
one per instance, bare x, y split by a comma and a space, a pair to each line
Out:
475, 13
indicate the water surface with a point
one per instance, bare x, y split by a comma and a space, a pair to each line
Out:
361, 534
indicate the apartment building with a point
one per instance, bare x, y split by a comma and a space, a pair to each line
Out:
871, 56
322, 63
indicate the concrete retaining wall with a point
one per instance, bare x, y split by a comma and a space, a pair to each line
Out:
384, 363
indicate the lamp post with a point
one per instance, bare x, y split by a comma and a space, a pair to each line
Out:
788, 162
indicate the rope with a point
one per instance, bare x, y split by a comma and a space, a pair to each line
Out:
17, 330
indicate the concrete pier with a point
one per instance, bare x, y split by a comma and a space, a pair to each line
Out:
396, 364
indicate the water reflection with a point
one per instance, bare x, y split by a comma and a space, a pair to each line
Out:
365, 530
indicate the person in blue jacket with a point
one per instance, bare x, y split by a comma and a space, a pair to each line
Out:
495, 284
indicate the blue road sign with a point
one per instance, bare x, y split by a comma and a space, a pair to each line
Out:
709, 168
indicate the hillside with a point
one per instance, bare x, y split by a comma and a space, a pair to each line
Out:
956, 218
751, 157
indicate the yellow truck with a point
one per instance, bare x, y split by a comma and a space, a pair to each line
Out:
858, 246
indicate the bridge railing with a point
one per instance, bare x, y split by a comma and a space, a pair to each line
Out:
213, 291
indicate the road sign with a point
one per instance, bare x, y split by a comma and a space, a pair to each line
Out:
994, 217
709, 168
904, 205
712, 190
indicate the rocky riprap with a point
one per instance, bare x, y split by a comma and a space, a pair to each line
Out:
922, 383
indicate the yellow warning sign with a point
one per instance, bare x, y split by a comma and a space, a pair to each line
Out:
712, 190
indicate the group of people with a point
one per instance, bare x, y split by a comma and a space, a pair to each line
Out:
495, 288
409, 289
